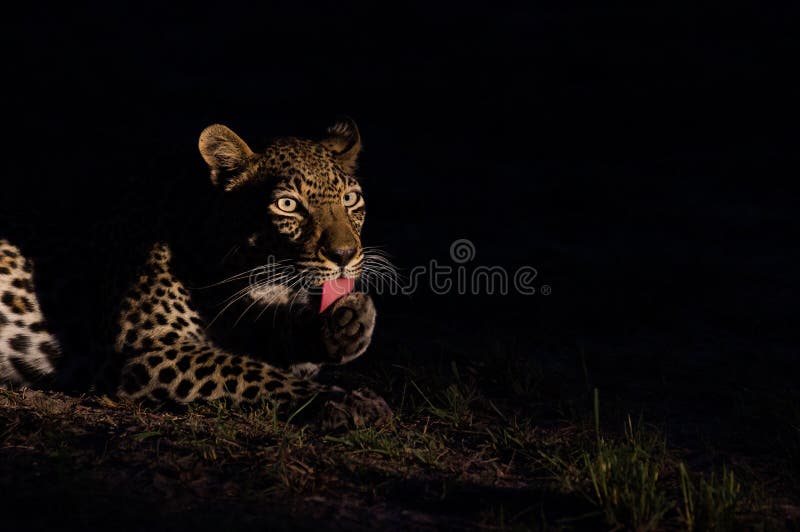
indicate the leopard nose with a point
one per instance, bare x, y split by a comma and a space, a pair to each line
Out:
340, 256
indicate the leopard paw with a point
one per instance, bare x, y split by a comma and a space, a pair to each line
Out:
356, 409
347, 327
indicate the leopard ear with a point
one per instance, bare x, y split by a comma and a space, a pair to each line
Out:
226, 154
344, 141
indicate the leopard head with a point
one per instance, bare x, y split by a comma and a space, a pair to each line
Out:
298, 205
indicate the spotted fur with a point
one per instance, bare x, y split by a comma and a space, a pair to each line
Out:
306, 212
28, 351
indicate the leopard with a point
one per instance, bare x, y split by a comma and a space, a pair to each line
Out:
291, 217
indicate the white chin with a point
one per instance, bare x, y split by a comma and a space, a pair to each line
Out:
305, 370
277, 294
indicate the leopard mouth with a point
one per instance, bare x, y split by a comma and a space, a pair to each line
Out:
314, 275
293, 281
297, 292
300, 281
317, 279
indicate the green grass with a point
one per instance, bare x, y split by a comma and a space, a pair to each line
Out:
710, 503
627, 478
471, 444
637, 483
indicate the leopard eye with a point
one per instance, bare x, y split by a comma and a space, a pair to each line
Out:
287, 204
351, 198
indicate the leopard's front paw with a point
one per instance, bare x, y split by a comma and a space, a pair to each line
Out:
356, 409
347, 327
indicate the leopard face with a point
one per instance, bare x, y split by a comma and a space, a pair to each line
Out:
299, 207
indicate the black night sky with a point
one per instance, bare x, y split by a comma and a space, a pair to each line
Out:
639, 158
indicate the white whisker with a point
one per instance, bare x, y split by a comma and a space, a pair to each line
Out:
265, 267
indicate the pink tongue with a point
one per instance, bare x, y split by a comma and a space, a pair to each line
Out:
333, 290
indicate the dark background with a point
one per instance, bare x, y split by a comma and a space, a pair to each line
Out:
640, 158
